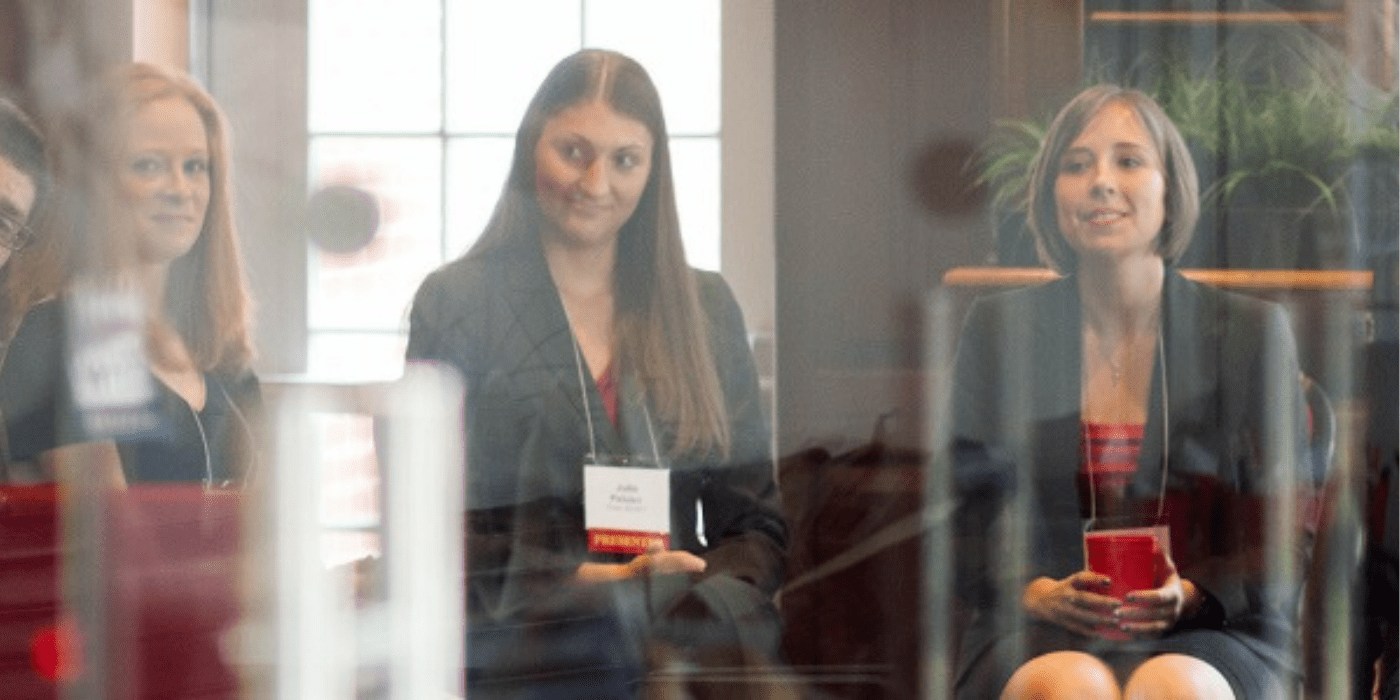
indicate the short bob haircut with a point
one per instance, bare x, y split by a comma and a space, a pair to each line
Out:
206, 294
661, 327
1182, 192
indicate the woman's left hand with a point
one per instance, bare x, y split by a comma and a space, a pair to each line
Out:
1151, 613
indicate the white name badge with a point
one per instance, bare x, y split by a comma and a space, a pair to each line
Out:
627, 509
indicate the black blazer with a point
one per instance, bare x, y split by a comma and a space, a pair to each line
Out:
497, 319
218, 443
1236, 453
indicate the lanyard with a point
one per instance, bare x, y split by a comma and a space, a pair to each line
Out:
588, 411
1166, 444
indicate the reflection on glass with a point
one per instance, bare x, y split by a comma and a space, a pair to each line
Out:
350, 510
374, 65
438, 189
366, 356
371, 289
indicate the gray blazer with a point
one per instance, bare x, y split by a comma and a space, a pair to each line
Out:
497, 319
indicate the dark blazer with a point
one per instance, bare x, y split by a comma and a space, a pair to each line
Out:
497, 319
217, 443
1236, 455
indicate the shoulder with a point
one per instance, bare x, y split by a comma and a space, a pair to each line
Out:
464, 277
718, 301
33, 379
1038, 304
1057, 291
713, 290
42, 329
242, 385
1202, 303
460, 306
458, 295
43, 317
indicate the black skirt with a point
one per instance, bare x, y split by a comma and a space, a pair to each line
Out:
1251, 676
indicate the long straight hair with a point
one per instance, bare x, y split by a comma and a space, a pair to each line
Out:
661, 328
206, 296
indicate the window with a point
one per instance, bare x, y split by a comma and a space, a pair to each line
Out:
417, 102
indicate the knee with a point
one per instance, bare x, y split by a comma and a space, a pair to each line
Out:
1062, 674
1177, 677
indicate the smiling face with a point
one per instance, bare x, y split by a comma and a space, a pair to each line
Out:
591, 167
1110, 187
163, 177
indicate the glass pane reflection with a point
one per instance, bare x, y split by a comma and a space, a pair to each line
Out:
371, 289
357, 356
374, 65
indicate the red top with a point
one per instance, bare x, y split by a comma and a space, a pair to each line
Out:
1108, 456
607, 386
1108, 453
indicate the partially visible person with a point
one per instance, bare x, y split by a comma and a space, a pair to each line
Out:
1125, 395
24, 184
587, 341
144, 215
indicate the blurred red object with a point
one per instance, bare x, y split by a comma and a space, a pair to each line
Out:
56, 651
172, 586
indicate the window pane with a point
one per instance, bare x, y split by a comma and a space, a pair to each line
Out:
476, 173
360, 357
678, 44
374, 65
497, 55
695, 164
350, 487
372, 288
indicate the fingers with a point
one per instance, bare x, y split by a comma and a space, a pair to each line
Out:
1081, 611
671, 562
1150, 612
1087, 613
1090, 581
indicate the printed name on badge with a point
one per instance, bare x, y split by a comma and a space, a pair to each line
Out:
627, 510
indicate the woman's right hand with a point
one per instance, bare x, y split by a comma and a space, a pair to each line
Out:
663, 561
659, 561
1076, 603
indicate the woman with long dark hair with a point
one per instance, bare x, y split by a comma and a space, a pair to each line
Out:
587, 341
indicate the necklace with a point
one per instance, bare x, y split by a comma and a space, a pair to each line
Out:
1124, 352
1116, 356
1115, 365
1107, 354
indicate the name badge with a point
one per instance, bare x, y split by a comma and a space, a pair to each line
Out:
627, 509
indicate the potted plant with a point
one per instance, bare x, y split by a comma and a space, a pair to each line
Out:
1278, 132
1296, 159
1005, 171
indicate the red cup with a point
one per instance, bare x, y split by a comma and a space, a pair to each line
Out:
1128, 560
